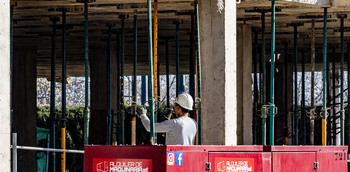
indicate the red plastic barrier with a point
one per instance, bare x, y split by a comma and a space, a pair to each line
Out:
215, 158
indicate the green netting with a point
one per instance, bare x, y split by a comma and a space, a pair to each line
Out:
41, 134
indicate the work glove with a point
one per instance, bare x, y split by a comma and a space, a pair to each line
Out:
141, 110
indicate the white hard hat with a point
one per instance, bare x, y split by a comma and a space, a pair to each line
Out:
185, 101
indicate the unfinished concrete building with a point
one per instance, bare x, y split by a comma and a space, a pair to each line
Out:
235, 62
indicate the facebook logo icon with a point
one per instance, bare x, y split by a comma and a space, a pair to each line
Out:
178, 158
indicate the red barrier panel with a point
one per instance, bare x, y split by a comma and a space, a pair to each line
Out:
215, 158
308, 158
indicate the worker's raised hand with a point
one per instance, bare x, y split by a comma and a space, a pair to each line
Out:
141, 110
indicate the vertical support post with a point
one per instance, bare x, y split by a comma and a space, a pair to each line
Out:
122, 51
263, 88
155, 60
342, 111
255, 104
64, 120
312, 111
272, 79
143, 90
169, 112
167, 75
14, 152
109, 85
324, 115
119, 116
334, 100
53, 93
177, 59
303, 113
296, 112
11, 66
285, 95
134, 86
150, 77
86, 108
192, 67
348, 112
199, 81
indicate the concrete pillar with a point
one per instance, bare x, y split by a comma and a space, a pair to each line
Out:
244, 85
5, 164
24, 106
98, 79
219, 86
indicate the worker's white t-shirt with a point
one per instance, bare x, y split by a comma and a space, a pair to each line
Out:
179, 131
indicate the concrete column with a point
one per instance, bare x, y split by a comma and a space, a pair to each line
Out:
5, 164
244, 85
24, 106
98, 79
217, 21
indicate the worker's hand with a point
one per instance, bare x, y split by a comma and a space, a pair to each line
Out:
141, 110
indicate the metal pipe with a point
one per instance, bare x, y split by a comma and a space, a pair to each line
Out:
303, 113
263, 89
167, 75
285, 92
143, 90
119, 136
334, 100
64, 122
49, 149
150, 77
11, 66
255, 104
296, 113
272, 79
199, 81
53, 93
134, 85
177, 59
324, 116
14, 152
192, 67
86, 108
122, 44
342, 111
348, 108
109, 85
313, 55
155, 61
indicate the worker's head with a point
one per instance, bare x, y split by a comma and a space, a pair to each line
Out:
183, 104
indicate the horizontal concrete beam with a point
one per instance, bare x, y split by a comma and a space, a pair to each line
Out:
313, 2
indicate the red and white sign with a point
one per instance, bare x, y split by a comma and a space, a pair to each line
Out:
121, 165
234, 164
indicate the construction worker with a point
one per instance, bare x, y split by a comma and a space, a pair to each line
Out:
179, 131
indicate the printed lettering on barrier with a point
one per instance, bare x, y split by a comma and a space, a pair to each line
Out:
234, 164
122, 165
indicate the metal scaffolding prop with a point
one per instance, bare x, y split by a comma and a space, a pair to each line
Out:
324, 112
177, 59
64, 121
150, 76
134, 85
53, 92
109, 85
272, 84
86, 108
199, 81
122, 57
263, 83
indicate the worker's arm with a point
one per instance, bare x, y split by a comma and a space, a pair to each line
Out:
159, 127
